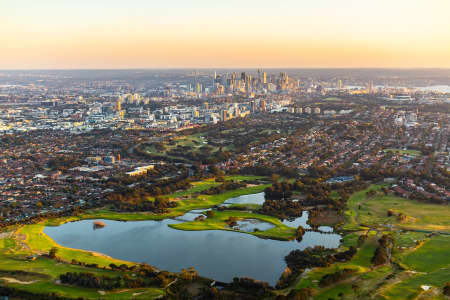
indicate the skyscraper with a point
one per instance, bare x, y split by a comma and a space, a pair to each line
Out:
262, 105
118, 107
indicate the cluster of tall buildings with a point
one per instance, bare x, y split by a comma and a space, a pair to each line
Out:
250, 83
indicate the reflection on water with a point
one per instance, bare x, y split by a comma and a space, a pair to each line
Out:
247, 199
250, 225
300, 221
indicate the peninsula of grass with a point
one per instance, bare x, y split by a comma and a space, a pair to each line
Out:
40, 275
218, 222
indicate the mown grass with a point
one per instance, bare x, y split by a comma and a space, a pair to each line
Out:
13, 258
420, 216
39, 242
372, 211
410, 288
352, 205
431, 255
217, 222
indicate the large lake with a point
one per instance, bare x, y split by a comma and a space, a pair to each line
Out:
216, 254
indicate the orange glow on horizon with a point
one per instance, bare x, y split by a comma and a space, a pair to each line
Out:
124, 39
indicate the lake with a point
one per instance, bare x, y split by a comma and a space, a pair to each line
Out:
216, 254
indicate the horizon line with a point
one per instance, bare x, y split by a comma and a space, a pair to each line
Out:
227, 68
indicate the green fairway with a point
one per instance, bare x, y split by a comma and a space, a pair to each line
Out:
410, 288
352, 205
39, 276
431, 255
372, 211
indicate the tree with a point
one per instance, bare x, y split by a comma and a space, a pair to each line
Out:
52, 252
275, 178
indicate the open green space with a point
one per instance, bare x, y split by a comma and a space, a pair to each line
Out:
372, 211
189, 143
430, 256
410, 287
218, 222
419, 215
422, 258
40, 275
352, 205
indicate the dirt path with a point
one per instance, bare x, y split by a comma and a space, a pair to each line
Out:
14, 280
4, 235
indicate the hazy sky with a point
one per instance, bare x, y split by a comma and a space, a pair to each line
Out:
224, 33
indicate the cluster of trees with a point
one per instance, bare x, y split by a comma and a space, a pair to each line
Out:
301, 294
64, 162
16, 293
345, 255
258, 289
136, 203
383, 252
283, 209
317, 193
225, 186
90, 280
298, 260
335, 277
279, 191
125, 198
143, 276
446, 289
278, 202
319, 256
299, 233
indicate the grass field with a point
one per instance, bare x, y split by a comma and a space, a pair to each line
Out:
352, 205
217, 222
190, 143
372, 212
420, 216
431, 256
42, 272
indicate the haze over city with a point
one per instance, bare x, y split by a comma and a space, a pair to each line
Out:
109, 34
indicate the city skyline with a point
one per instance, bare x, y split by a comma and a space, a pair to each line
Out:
214, 34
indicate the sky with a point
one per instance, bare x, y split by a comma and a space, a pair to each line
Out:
111, 34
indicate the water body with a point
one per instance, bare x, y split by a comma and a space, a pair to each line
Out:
249, 225
247, 199
216, 254
300, 221
436, 88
